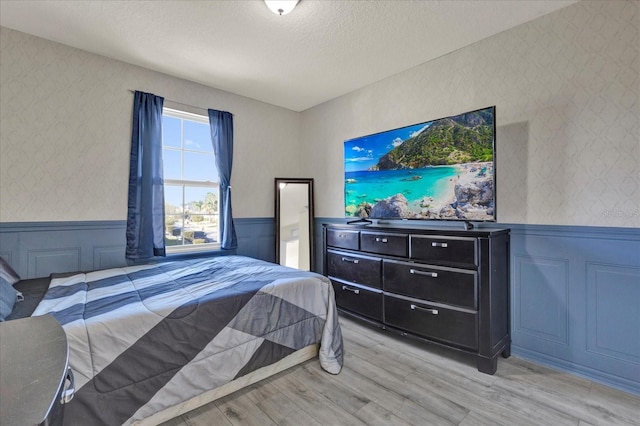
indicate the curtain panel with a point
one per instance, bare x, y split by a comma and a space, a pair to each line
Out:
221, 123
145, 213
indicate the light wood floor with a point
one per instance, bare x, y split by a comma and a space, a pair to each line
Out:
389, 380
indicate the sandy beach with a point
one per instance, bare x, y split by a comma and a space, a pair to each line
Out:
467, 174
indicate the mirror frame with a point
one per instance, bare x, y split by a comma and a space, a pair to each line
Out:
309, 182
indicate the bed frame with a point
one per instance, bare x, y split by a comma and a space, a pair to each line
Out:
289, 361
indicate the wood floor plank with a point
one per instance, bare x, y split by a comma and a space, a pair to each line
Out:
204, 416
440, 410
475, 418
342, 396
392, 380
453, 381
178, 421
316, 405
373, 414
282, 410
622, 403
505, 407
360, 381
576, 407
240, 410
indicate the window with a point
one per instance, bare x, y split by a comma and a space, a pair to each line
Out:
191, 183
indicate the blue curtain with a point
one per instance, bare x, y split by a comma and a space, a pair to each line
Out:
221, 123
145, 215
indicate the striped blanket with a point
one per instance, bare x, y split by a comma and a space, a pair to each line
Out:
145, 338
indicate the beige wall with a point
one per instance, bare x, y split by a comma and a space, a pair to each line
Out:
566, 90
65, 133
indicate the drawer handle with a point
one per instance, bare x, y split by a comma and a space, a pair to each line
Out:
346, 259
355, 290
381, 240
436, 244
426, 273
420, 308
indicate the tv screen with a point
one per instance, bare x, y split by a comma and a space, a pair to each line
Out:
442, 169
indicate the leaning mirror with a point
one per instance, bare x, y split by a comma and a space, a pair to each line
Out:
294, 223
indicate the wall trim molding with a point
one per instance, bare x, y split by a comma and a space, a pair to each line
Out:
574, 231
61, 226
99, 224
586, 372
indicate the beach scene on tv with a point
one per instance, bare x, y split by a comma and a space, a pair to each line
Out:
441, 169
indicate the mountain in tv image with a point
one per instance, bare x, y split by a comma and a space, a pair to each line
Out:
442, 169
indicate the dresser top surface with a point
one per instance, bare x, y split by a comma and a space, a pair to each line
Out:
476, 232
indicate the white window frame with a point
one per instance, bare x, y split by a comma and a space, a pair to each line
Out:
183, 115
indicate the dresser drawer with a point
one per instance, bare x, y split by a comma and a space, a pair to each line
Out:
343, 239
446, 325
356, 269
444, 250
384, 243
358, 300
436, 284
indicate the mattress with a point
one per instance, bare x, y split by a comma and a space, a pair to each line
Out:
33, 291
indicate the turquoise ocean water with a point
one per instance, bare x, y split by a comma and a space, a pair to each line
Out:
415, 184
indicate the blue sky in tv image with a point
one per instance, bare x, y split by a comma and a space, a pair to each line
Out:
363, 153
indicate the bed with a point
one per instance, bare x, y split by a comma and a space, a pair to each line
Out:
150, 342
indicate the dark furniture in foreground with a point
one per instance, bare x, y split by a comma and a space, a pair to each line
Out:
33, 372
449, 287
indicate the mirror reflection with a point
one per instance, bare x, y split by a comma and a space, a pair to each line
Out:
294, 223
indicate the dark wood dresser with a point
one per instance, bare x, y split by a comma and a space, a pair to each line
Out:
35, 380
448, 287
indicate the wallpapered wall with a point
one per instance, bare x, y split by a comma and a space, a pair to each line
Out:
566, 88
567, 93
65, 133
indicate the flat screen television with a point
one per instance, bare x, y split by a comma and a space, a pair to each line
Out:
442, 169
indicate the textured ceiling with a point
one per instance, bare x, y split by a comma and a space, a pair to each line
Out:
321, 50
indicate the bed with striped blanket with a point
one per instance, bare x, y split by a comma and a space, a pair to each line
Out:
143, 339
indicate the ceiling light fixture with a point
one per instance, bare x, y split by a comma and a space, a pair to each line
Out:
281, 7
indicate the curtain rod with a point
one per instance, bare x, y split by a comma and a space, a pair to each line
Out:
176, 102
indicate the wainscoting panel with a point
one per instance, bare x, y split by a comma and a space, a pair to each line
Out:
105, 257
44, 262
37, 249
613, 297
542, 299
8, 245
576, 300
613, 319
256, 238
